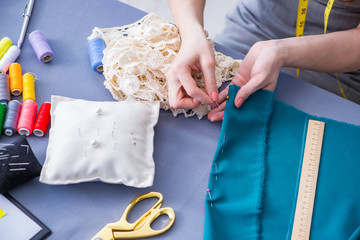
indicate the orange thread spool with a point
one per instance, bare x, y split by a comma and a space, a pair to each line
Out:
15, 75
28, 87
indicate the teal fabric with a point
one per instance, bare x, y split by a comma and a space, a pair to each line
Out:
256, 169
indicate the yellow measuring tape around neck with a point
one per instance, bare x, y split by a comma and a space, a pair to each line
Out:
300, 25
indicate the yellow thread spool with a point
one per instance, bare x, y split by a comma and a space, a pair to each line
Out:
5, 44
15, 76
28, 87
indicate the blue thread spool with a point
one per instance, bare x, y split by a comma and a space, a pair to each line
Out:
4, 88
12, 117
96, 47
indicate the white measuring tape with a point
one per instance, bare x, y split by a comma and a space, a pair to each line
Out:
308, 180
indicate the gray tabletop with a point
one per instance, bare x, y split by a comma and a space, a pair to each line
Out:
183, 148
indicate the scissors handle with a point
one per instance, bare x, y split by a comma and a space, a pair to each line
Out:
124, 225
141, 228
145, 230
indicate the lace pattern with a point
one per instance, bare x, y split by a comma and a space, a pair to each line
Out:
137, 57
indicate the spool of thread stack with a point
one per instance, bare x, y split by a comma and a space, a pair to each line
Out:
15, 76
96, 47
5, 44
12, 117
4, 88
42, 120
40, 46
27, 117
9, 57
28, 87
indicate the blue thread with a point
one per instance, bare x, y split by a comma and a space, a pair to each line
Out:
96, 47
12, 117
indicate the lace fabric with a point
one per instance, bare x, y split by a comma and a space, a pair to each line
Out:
137, 57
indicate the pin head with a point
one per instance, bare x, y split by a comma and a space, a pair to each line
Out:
98, 111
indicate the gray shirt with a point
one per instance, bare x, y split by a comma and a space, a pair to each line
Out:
258, 20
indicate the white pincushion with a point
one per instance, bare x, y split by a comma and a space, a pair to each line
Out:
107, 141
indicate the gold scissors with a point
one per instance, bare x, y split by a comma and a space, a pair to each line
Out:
141, 228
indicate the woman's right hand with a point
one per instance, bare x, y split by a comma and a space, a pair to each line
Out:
196, 54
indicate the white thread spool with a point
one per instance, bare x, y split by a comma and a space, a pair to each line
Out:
9, 57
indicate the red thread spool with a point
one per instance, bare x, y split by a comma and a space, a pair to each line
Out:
42, 120
27, 117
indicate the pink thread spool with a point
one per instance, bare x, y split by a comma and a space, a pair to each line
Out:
40, 46
27, 117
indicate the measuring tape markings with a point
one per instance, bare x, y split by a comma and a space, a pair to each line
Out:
308, 180
300, 26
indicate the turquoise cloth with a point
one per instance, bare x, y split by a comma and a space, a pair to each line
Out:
254, 177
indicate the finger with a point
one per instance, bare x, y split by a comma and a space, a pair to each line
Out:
208, 70
239, 79
177, 98
222, 95
246, 90
173, 86
214, 114
187, 103
194, 91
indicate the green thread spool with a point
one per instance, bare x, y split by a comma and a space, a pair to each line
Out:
5, 44
2, 115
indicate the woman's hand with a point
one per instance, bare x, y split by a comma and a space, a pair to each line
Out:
196, 54
260, 69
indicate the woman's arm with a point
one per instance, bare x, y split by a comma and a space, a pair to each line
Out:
333, 52
196, 54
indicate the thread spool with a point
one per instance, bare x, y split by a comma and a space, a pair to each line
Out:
28, 87
40, 46
12, 117
2, 115
42, 120
5, 44
27, 117
96, 47
15, 77
9, 57
4, 88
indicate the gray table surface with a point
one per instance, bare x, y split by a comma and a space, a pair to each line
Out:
183, 148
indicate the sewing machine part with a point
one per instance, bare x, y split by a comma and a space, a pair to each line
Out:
141, 228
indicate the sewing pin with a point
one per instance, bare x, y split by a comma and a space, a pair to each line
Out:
17, 169
27, 148
218, 105
208, 190
16, 164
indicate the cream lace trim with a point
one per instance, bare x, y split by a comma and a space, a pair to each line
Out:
137, 57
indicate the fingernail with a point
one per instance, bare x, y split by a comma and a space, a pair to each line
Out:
239, 102
214, 96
